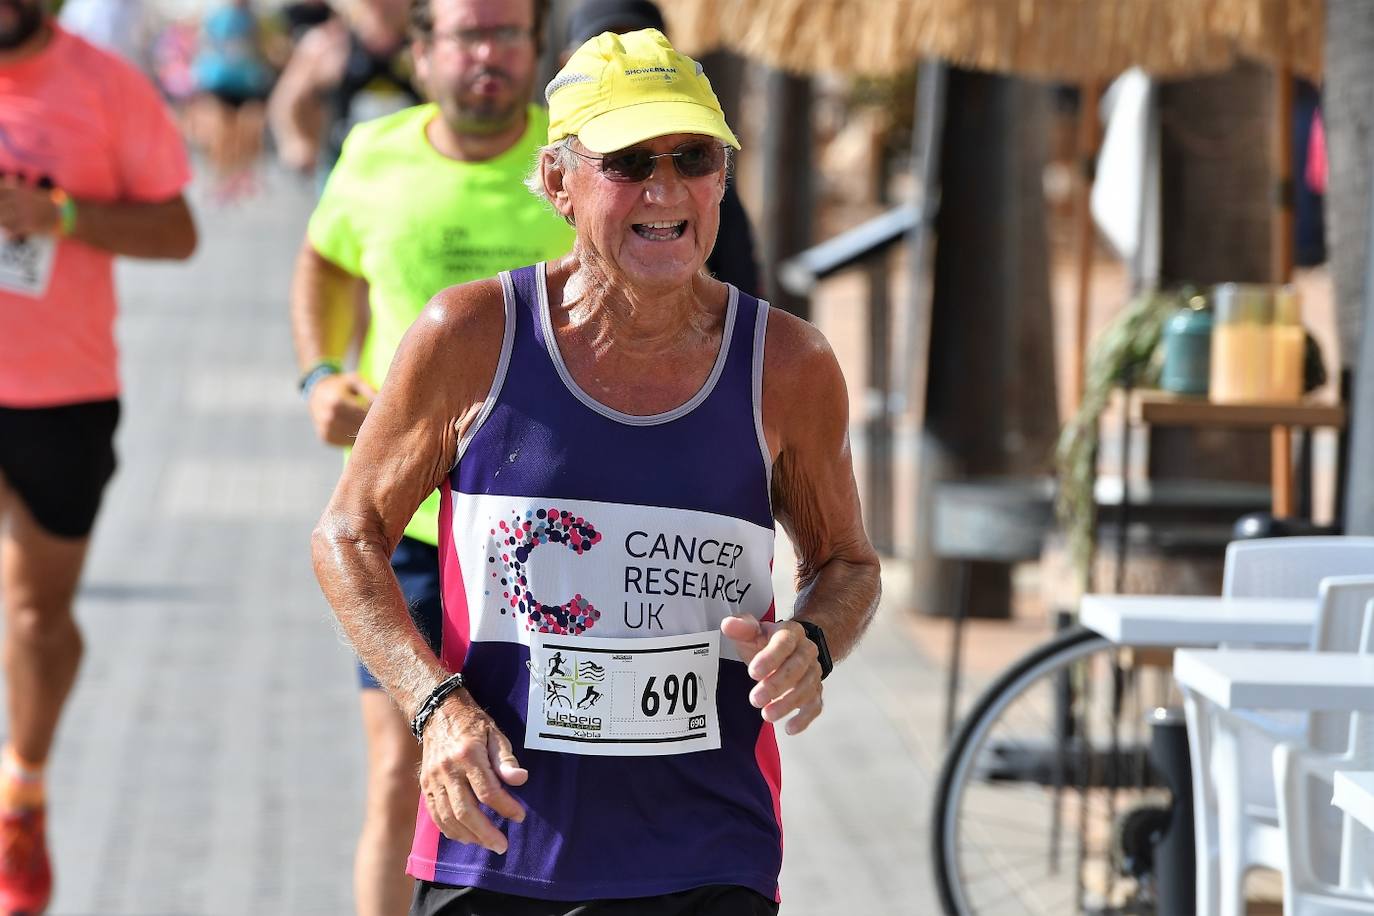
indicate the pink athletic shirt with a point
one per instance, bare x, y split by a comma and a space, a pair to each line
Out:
80, 119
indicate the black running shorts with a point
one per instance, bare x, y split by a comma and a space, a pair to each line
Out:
58, 461
713, 900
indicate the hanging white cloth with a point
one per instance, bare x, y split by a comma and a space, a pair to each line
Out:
1125, 195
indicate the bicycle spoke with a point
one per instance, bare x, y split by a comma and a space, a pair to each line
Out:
1012, 893
1039, 776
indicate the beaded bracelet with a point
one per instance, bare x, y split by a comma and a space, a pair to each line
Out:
446, 686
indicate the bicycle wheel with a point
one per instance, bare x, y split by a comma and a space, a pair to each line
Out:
1039, 780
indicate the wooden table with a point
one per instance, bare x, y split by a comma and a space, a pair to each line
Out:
1161, 408
1199, 620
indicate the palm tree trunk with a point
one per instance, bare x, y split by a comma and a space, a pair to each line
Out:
990, 404
1348, 116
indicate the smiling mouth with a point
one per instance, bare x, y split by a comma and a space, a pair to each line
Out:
660, 232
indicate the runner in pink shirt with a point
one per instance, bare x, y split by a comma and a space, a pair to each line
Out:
91, 166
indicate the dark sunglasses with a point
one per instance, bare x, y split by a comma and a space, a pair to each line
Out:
693, 159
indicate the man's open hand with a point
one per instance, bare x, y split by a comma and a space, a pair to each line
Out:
785, 664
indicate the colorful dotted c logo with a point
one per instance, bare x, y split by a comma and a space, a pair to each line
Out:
514, 541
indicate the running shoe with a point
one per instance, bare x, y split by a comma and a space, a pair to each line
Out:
25, 874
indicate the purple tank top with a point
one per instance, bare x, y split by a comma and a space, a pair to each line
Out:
568, 532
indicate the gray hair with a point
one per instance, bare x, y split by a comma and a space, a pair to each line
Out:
564, 159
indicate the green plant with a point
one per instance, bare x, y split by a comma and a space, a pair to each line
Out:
1124, 355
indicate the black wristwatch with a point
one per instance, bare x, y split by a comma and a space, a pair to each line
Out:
817, 635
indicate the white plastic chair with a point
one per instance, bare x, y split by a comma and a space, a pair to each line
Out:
1235, 810
1292, 567
1303, 782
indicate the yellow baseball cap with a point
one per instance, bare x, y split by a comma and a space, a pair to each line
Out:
619, 90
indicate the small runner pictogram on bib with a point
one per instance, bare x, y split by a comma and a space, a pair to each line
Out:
26, 264
623, 697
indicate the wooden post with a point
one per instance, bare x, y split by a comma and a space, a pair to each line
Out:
1349, 118
1089, 95
787, 175
725, 70
927, 139
989, 396
1358, 511
1281, 437
1282, 239
878, 509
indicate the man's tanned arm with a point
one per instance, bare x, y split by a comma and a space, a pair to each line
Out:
814, 493
806, 419
295, 110
323, 320
434, 391
141, 230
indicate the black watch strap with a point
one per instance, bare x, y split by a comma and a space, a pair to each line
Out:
817, 636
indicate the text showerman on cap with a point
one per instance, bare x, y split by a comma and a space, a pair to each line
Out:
619, 90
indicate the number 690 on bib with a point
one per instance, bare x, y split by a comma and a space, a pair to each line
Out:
623, 697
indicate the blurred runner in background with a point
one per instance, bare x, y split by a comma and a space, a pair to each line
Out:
352, 68
91, 166
174, 55
303, 15
419, 200
233, 80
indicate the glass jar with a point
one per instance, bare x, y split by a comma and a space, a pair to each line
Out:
1257, 344
1188, 349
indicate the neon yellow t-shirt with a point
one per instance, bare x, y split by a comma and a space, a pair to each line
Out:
411, 222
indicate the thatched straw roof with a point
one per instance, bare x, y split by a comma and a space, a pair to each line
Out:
1068, 40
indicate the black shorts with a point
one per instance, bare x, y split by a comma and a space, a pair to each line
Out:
58, 460
237, 100
712, 900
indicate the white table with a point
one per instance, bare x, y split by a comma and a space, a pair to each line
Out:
1273, 679
1277, 679
1354, 794
1174, 620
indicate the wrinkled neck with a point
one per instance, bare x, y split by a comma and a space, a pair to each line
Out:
608, 311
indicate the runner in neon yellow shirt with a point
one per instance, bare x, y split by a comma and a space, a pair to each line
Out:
410, 221
420, 200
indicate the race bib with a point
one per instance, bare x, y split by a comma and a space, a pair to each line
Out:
26, 264
623, 697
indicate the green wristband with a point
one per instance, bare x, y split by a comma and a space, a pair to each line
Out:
66, 212
312, 376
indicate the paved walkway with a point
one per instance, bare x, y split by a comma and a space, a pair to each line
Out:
211, 759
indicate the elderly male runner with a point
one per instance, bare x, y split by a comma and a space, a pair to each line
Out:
613, 434
420, 200
732, 259
91, 166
